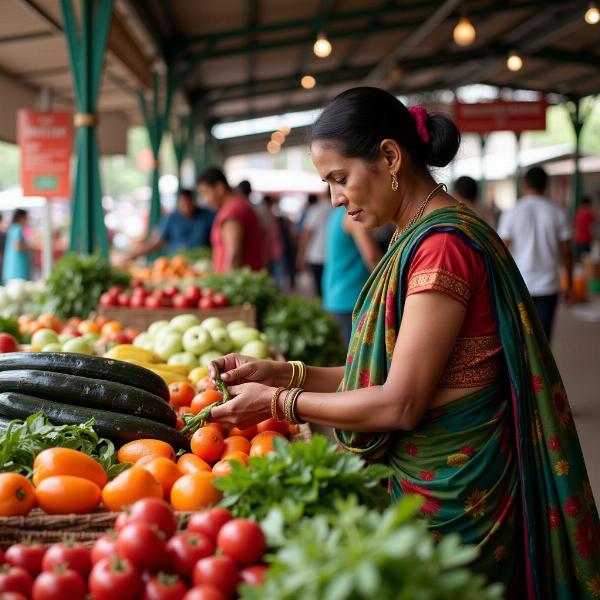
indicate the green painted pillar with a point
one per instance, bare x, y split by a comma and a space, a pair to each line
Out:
482, 181
86, 42
576, 182
518, 167
182, 136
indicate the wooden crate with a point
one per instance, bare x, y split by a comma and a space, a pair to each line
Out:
141, 318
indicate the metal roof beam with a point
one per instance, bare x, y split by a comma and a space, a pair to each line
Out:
26, 37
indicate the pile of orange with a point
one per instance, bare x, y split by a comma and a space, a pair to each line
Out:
28, 324
164, 268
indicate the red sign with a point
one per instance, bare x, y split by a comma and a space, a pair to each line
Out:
46, 142
500, 115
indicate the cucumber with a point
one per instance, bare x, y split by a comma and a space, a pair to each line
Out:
117, 427
93, 367
90, 393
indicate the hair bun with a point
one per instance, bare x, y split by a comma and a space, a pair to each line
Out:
444, 140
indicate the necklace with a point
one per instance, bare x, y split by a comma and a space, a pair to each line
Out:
418, 214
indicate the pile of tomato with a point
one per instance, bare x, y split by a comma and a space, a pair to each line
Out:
145, 558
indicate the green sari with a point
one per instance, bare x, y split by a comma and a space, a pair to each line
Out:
502, 467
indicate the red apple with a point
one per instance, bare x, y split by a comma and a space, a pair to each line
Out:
205, 304
8, 343
193, 294
115, 290
131, 332
219, 300
170, 291
137, 301
207, 292
152, 302
72, 330
107, 300
119, 337
181, 301
124, 299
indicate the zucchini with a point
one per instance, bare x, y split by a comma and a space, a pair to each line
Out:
93, 367
91, 393
117, 427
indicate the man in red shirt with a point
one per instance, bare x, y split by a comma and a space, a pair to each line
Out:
236, 235
584, 227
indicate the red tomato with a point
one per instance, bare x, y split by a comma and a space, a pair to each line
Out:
219, 571
104, 547
28, 556
59, 585
243, 540
114, 579
72, 555
155, 512
184, 550
164, 587
204, 592
122, 518
15, 579
209, 522
141, 545
254, 575
273, 425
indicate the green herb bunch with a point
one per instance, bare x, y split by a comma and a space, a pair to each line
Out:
354, 553
22, 441
10, 325
304, 478
76, 283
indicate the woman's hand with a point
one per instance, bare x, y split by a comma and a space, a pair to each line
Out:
235, 368
250, 404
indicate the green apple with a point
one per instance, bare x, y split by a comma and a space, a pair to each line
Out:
167, 342
213, 323
78, 345
184, 322
221, 340
183, 358
144, 340
256, 349
156, 327
65, 337
197, 340
92, 338
52, 348
240, 337
236, 325
208, 357
43, 337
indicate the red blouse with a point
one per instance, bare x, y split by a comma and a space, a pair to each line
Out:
446, 263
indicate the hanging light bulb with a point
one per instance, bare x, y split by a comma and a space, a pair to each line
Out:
273, 147
277, 136
322, 46
308, 82
464, 32
592, 14
285, 129
514, 62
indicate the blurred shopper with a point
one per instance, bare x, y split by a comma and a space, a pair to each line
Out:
466, 190
236, 236
311, 248
186, 228
351, 253
16, 262
584, 228
537, 232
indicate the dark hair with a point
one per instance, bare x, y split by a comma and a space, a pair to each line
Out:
244, 188
212, 176
586, 200
312, 199
186, 193
536, 178
466, 187
360, 118
18, 215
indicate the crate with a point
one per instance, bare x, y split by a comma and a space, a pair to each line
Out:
141, 318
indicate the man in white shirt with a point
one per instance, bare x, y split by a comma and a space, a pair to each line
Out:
537, 232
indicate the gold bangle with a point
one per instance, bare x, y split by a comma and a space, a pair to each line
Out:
302, 375
287, 406
293, 379
296, 419
274, 399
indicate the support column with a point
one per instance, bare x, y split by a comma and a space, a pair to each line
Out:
482, 180
182, 136
518, 166
577, 118
47, 237
87, 45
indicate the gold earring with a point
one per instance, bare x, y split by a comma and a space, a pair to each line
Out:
394, 183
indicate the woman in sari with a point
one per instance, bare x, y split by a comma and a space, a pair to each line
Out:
448, 378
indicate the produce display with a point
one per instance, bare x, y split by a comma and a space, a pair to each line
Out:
186, 265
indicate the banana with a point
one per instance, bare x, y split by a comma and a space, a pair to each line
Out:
129, 352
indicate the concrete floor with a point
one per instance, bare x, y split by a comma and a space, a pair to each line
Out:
576, 347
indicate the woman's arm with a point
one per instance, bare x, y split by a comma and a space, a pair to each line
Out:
430, 326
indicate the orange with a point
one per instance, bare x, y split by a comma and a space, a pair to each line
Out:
181, 393
64, 461
50, 322
248, 433
102, 320
190, 463
160, 264
111, 327
272, 425
178, 262
133, 451
263, 443
65, 494
222, 468
128, 487
204, 399
207, 443
194, 492
236, 443
17, 496
206, 383
165, 471
241, 457
144, 460
88, 327
293, 429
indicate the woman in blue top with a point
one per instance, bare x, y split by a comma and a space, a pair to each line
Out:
351, 253
16, 252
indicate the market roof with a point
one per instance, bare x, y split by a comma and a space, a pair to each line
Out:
243, 58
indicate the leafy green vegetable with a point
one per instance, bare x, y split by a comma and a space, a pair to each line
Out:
10, 325
304, 478
24, 440
76, 284
353, 553
195, 254
301, 330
